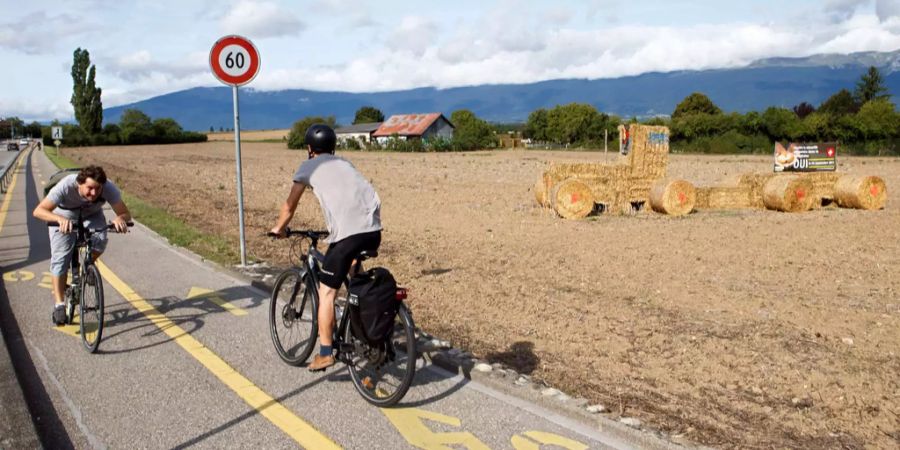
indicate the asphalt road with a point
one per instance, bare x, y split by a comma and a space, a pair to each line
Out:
176, 369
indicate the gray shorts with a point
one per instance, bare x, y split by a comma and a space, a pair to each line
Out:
61, 244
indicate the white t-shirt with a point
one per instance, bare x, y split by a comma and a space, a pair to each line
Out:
349, 202
69, 202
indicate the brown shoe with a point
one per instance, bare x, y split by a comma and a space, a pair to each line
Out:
321, 363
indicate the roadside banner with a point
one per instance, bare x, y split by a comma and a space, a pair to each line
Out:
796, 157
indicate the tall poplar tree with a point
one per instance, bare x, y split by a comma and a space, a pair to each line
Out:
85, 93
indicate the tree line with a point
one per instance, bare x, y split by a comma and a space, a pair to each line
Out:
864, 122
470, 133
134, 126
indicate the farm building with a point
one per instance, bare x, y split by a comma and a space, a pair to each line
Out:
414, 126
362, 132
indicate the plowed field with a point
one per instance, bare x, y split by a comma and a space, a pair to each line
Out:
747, 328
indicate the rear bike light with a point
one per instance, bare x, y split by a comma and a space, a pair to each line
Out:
401, 294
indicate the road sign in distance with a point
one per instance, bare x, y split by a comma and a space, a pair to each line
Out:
234, 60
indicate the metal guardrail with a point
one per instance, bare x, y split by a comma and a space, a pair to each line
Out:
7, 171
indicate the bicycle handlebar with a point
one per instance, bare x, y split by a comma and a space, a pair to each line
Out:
312, 234
94, 230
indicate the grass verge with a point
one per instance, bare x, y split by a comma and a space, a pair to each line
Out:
179, 233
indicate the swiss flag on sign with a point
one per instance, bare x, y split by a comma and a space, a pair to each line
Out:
830, 152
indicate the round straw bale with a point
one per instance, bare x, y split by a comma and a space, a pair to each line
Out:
673, 197
542, 189
572, 199
788, 193
861, 192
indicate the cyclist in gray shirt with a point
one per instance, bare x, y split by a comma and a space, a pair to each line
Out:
352, 213
73, 197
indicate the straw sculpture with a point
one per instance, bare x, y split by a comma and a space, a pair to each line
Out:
822, 187
673, 197
790, 193
572, 199
860, 192
615, 186
723, 197
542, 190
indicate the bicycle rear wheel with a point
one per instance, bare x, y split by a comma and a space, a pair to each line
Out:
382, 374
292, 317
91, 309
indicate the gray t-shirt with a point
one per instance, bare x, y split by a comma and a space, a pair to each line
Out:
349, 202
69, 202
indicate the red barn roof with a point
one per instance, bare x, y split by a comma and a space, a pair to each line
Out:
407, 124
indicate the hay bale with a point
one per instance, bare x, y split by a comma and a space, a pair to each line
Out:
788, 193
719, 197
860, 192
753, 184
649, 154
702, 201
562, 171
673, 197
572, 199
542, 189
822, 186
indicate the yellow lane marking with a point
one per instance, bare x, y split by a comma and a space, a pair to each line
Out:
201, 293
9, 192
520, 443
293, 426
18, 275
410, 422
72, 329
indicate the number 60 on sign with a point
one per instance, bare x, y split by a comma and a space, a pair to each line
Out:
234, 60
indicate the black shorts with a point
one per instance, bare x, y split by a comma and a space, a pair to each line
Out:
340, 256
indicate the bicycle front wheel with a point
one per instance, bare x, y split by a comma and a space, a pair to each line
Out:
91, 309
292, 317
382, 374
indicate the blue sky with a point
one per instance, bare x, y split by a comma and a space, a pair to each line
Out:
148, 48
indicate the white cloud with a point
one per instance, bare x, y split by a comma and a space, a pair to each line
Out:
480, 54
355, 11
887, 9
142, 65
38, 33
841, 10
414, 34
29, 110
261, 20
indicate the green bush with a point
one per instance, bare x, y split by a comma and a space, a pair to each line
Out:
297, 137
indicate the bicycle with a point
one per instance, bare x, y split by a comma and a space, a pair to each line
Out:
85, 281
382, 373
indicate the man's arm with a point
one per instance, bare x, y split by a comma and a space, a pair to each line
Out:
288, 208
44, 211
123, 216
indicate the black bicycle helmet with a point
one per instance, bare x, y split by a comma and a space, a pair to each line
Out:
321, 138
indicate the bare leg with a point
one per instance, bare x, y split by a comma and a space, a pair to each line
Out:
59, 288
326, 314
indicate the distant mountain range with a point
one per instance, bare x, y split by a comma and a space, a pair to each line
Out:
771, 82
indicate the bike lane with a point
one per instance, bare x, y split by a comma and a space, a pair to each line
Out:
138, 391
187, 360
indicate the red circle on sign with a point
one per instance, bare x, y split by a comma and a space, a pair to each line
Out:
221, 74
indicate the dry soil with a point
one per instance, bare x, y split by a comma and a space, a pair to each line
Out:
743, 328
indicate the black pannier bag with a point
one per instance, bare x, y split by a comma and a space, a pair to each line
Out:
373, 305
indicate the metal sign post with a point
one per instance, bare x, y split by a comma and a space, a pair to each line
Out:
234, 60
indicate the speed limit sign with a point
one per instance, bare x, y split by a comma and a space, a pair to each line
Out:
234, 60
